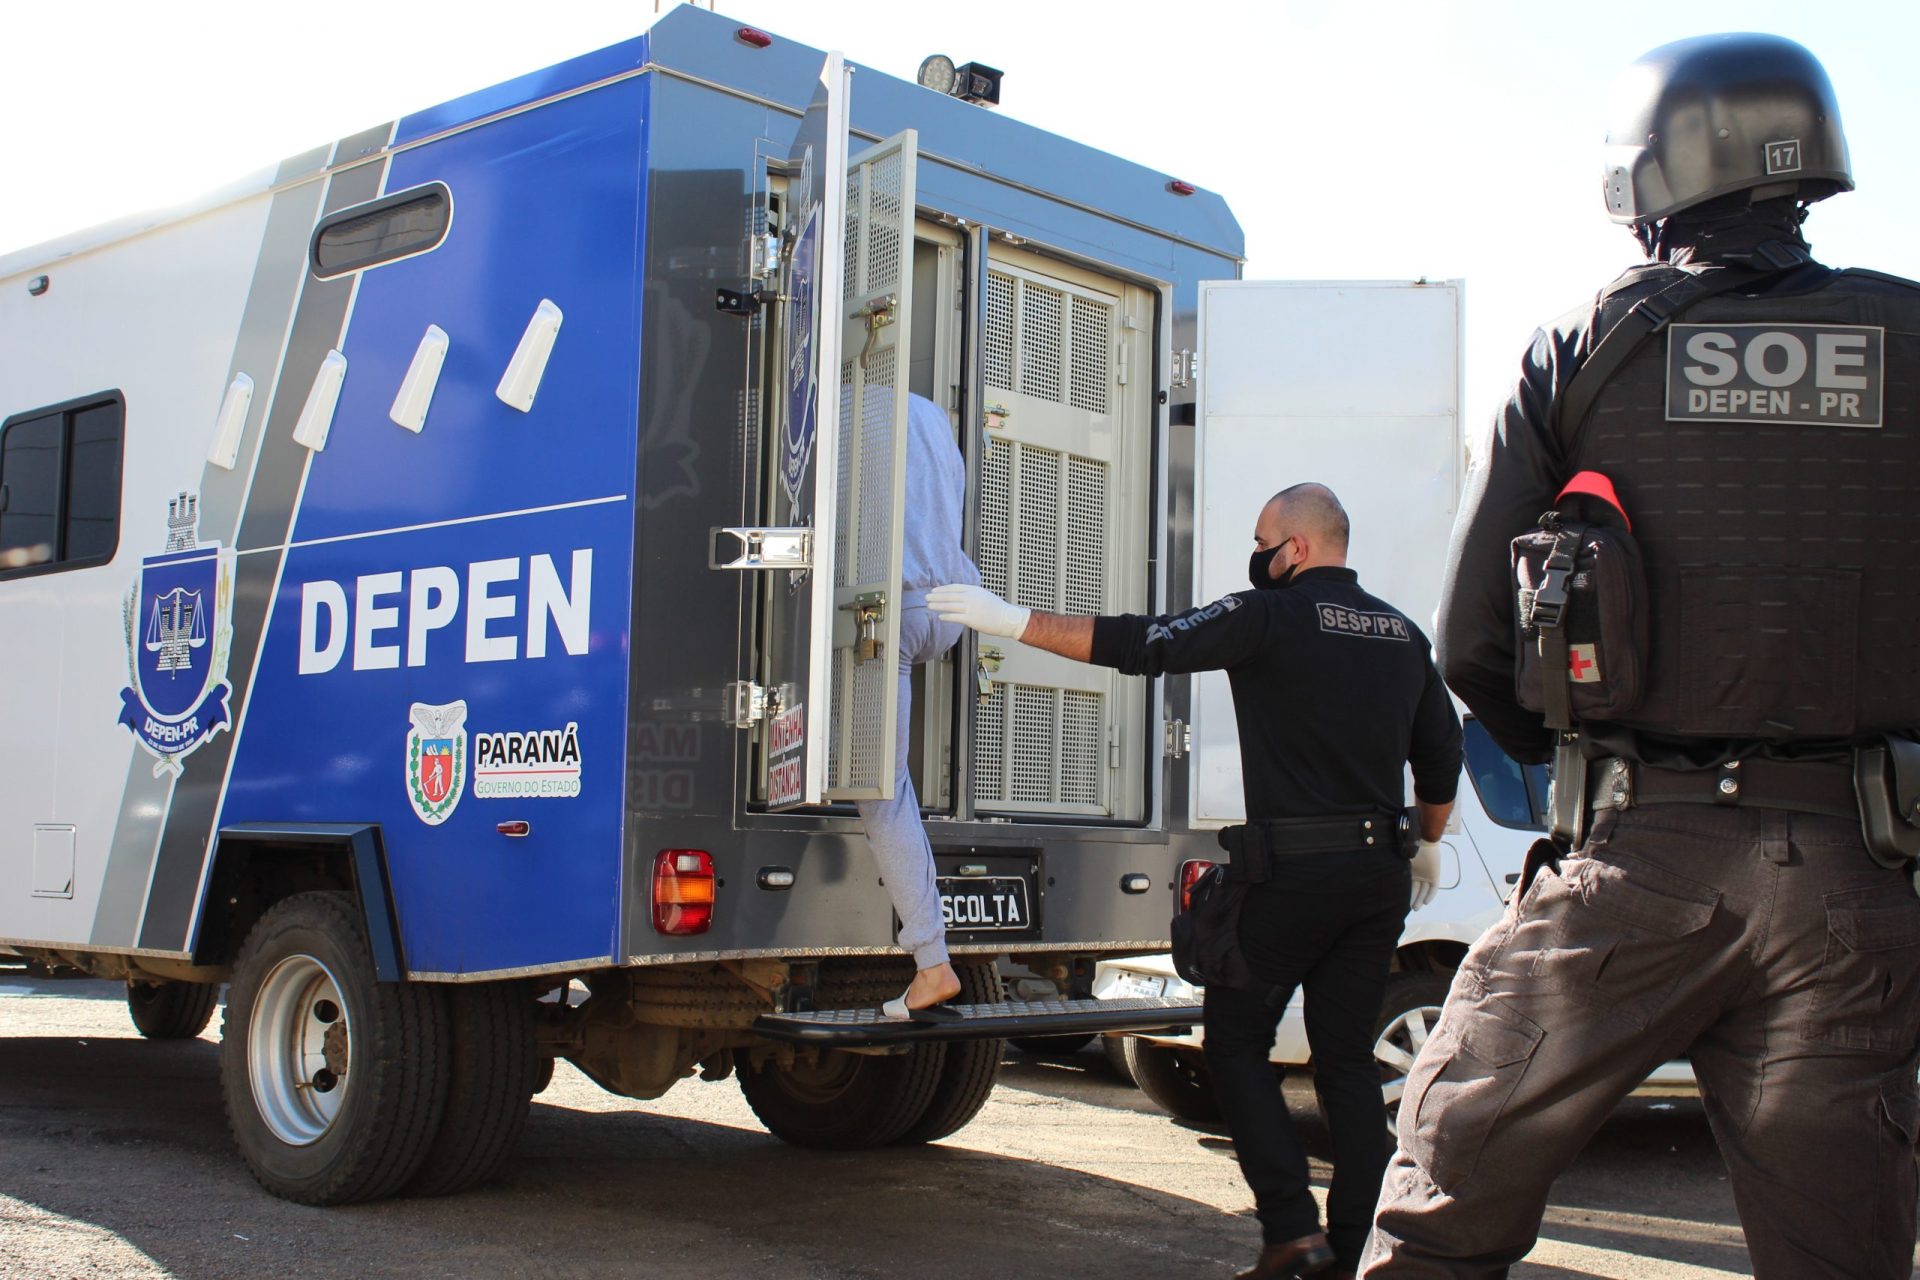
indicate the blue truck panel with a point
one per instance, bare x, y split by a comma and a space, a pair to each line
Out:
451, 627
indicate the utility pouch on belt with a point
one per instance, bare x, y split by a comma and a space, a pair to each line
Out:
1886, 780
1580, 594
1206, 937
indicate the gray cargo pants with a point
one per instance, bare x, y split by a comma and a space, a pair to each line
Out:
1765, 944
893, 827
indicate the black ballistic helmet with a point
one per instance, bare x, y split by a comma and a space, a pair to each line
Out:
1704, 117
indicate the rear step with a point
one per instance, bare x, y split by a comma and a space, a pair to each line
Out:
854, 1028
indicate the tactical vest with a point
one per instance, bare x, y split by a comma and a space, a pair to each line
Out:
1780, 526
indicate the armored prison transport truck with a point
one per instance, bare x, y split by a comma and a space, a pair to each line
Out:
449, 587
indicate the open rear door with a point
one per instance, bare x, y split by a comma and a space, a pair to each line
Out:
1355, 384
867, 481
833, 635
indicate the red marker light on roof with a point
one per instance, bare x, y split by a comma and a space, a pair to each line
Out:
1180, 188
683, 891
758, 39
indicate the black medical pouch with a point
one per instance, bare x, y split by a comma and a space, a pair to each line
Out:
1206, 937
1580, 593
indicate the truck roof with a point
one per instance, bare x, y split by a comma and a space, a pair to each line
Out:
702, 46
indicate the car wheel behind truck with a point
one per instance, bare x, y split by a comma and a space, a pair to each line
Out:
335, 1084
1407, 1013
1175, 1078
171, 1010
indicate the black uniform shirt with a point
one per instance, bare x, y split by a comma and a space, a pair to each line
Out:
1333, 689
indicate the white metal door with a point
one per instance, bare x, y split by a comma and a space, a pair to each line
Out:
868, 478
1055, 480
1354, 384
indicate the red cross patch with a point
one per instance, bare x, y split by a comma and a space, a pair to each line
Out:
1582, 668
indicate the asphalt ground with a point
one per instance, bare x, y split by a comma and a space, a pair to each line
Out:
115, 1163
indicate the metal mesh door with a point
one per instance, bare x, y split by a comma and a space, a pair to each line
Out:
871, 426
1041, 743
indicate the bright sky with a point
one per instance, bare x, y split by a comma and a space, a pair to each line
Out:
1353, 139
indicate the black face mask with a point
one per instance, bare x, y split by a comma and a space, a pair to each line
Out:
1260, 563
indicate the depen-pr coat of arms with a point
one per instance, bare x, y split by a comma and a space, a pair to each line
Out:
436, 760
178, 617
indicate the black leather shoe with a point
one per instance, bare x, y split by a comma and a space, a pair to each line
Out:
1307, 1256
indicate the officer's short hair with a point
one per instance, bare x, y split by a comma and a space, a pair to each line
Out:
1313, 509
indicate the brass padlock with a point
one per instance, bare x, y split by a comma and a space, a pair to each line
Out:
868, 609
985, 668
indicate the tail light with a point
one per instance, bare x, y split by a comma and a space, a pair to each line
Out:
683, 891
1190, 873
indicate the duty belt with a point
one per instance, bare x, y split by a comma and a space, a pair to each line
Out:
1808, 786
1254, 845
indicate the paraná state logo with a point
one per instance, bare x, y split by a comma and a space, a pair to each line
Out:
436, 760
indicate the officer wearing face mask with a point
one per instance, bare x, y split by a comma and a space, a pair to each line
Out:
1335, 694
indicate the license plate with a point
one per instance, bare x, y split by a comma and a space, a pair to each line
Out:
968, 903
1138, 984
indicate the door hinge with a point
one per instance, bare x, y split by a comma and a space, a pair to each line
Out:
744, 703
1120, 364
1177, 739
1185, 367
783, 547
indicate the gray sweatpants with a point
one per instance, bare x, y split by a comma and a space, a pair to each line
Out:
1764, 944
893, 826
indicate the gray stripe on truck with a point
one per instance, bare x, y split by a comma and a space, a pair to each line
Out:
265, 524
258, 350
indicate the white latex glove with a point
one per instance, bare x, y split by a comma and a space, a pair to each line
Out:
978, 608
1426, 873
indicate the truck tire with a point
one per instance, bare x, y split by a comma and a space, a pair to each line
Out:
334, 1083
171, 1010
972, 1066
1407, 1013
494, 1071
845, 1101
1176, 1079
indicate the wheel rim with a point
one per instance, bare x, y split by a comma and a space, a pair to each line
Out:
298, 1045
824, 1080
1398, 1045
1189, 1071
